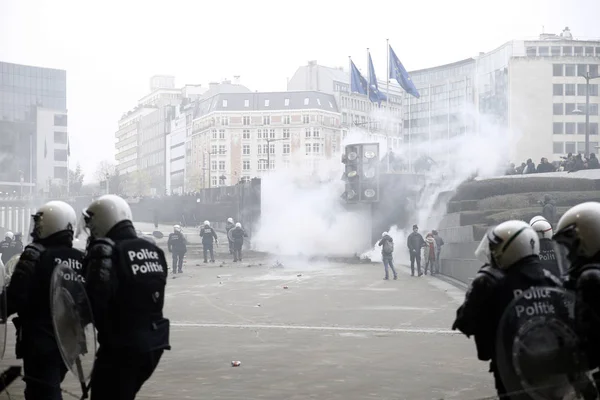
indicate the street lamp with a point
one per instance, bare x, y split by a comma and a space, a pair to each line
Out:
269, 150
587, 78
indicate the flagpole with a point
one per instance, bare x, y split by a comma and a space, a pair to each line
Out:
368, 91
387, 101
409, 139
429, 117
350, 90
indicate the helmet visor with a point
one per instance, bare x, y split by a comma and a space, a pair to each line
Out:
565, 244
34, 230
82, 231
483, 253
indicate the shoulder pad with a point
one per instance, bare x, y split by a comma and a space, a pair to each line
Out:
101, 248
149, 239
492, 272
590, 274
33, 251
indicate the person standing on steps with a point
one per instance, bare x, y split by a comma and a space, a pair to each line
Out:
387, 254
415, 242
209, 236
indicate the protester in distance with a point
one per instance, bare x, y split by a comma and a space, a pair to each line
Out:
549, 209
510, 253
209, 237
387, 255
545, 166
229, 226
429, 253
440, 242
125, 281
177, 245
238, 234
5, 247
415, 242
28, 295
547, 257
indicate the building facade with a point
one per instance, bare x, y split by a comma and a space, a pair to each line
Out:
33, 127
239, 136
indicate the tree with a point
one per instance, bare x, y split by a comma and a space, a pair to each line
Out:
139, 182
107, 172
76, 180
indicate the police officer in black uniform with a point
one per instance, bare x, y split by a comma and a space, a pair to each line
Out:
28, 295
229, 225
125, 281
208, 236
178, 247
547, 256
5, 247
511, 252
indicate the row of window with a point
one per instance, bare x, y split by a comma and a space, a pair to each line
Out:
266, 133
555, 51
60, 120
572, 128
572, 147
571, 89
286, 102
574, 69
573, 109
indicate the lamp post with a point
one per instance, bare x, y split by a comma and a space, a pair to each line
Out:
587, 78
269, 150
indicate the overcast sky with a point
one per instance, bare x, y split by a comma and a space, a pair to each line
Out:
111, 48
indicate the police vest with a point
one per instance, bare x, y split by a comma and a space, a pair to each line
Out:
207, 235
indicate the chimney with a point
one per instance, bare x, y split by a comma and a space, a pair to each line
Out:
213, 85
236, 79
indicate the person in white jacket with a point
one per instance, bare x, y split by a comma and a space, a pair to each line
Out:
429, 254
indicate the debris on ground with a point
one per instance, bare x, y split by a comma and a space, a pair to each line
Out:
299, 275
236, 363
258, 305
285, 287
220, 283
218, 276
278, 264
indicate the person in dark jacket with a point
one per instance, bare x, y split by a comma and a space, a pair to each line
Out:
547, 255
229, 226
545, 166
238, 234
415, 242
177, 245
209, 236
387, 254
549, 210
530, 167
593, 162
5, 247
439, 242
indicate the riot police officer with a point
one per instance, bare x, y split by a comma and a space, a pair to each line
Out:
28, 295
547, 256
16, 246
511, 253
178, 247
228, 227
5, 247
238, 234
208, 235
125, 281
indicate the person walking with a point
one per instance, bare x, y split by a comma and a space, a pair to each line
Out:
415, 242
387, 254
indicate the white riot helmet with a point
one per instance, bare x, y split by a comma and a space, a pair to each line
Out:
238, 225
384, 234
537, 218
176, 228
51, 218
576, 237
508, 243
104, 213
9, 235
230, 220
542, 227
206, 223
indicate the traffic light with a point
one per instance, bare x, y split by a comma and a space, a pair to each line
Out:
361, 173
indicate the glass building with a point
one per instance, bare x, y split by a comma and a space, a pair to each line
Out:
23, 89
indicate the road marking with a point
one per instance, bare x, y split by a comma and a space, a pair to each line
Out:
317, 328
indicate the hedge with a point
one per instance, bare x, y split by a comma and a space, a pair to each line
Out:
525, 200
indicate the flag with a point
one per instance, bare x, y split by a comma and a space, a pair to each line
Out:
45, 148
374, 94
398, 72
358, 84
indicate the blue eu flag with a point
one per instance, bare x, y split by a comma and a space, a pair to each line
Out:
358, 84
398, 72
374, 94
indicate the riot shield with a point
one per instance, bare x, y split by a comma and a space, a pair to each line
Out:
73, 322
229, 235
539, 356
158, 234
9, 268
3, 312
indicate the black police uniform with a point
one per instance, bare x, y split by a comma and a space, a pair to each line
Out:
177, 246
490, 293
229, 226
238, 235
28, 294
5, 250
125, 281
208, 235
548, 258
16, 247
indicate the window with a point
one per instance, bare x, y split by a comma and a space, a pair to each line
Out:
213, 149
558, 147
306, 101
246, 120
557, 108
214, 133
570, 89
224, 103
593, 147
221, 165
578, 51
259, 134
567, 51
557, 70
286, 148
265, 148
570, 70
222, 149
307, 132
570, 147
316, 148
557, 89
271, 164
213, 165
589, 51
543, 51
246, 149
593, 89
246, 134
259, 150
593, 128
581, 69
593, 69
308, 148
570, 128
221, 133
246, 103
593, 109
555, 51
557, 128
531, 51
580, 147
266, 120
60, 173
581, 89
266, 102
581, 128
246, 165
286, 164
272, 133
262, 164
287, 102
305, 119
213, 180
224, 121
272, 149
316, 132
286, 134
60, 155
570, 107
286, 119
61, 137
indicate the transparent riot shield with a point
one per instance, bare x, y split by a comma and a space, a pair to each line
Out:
3, 312
9, 268
538, 354
73, 323
229, 235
